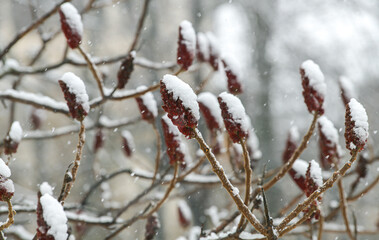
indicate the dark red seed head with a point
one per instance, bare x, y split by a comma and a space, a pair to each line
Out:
147, 105
126, 69
186, 45
173, 142
328, 142
234, 83
127, 143
99, 140
356, 126
152, 227
71, 24
210, 109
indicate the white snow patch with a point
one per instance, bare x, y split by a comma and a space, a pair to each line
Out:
54, 216
73, 18
328, 129
316, 173
129, 138
203, 45
316, 77
185, 210
253, 142
189, 36
5, 171
294, 134
210, 101
15, 132
76, 86
236, 109
45, 188
214, 47
8, 185
148, 100
182, 91
235, 191
300, 167
359, 116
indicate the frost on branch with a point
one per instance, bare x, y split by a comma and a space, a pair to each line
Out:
147, 105
51, 218
234, 116
234, 81
202, 47
314, 87
6, 184
71, 24
347, 89
127, 143
180, 103
186, 45
75, 94
175, 147
209, 106
184, 213
356, 126
13, 138
328, 142
126, 69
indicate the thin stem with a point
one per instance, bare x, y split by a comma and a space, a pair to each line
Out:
343, 207
299, 222
11, 214
290, 204
140, 25
320, 227
328, 184
295, 155
79, 148
248, 173
364, 191
41, 20
94, 71
158, 154
204, 82
217, 168
168, 191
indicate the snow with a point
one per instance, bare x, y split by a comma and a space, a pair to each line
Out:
316, 173
189, 35
182, 91
359, 116
185, 210
34, 98
210, 101
300, 167
315, 76
8, 185
45, 188
328, 129
214, 46
54, 216
347, 87
73, 18
15, 132
294, 135
76, 86
148, 100
235, 191
236, 109
129, 138
202, 42
4, 169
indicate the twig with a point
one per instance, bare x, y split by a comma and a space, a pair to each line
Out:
158, 154
74, 170
248, 173
204, 82
217, 168
320, 227
294, 156
140, 25
11, 214
94, 71
328, 184
31, 27
290, 204
299, 222
343, 207
364, 191
167, 193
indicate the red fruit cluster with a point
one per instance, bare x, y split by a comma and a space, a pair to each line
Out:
289, 149
234, 85
147, 105
6, 192
10, 146
214, 52
126, 69
173, 142
42, 228
298, 179
184, 213
76, 109
234, 128
313, 99
152, 227
185, 55
353, 141
72, 34
180, 116
310, 187
210, 120
127, 144
99, 140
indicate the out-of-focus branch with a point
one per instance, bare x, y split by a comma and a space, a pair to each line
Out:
140, 25
31, 27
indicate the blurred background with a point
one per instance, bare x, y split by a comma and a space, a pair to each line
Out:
267, 40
